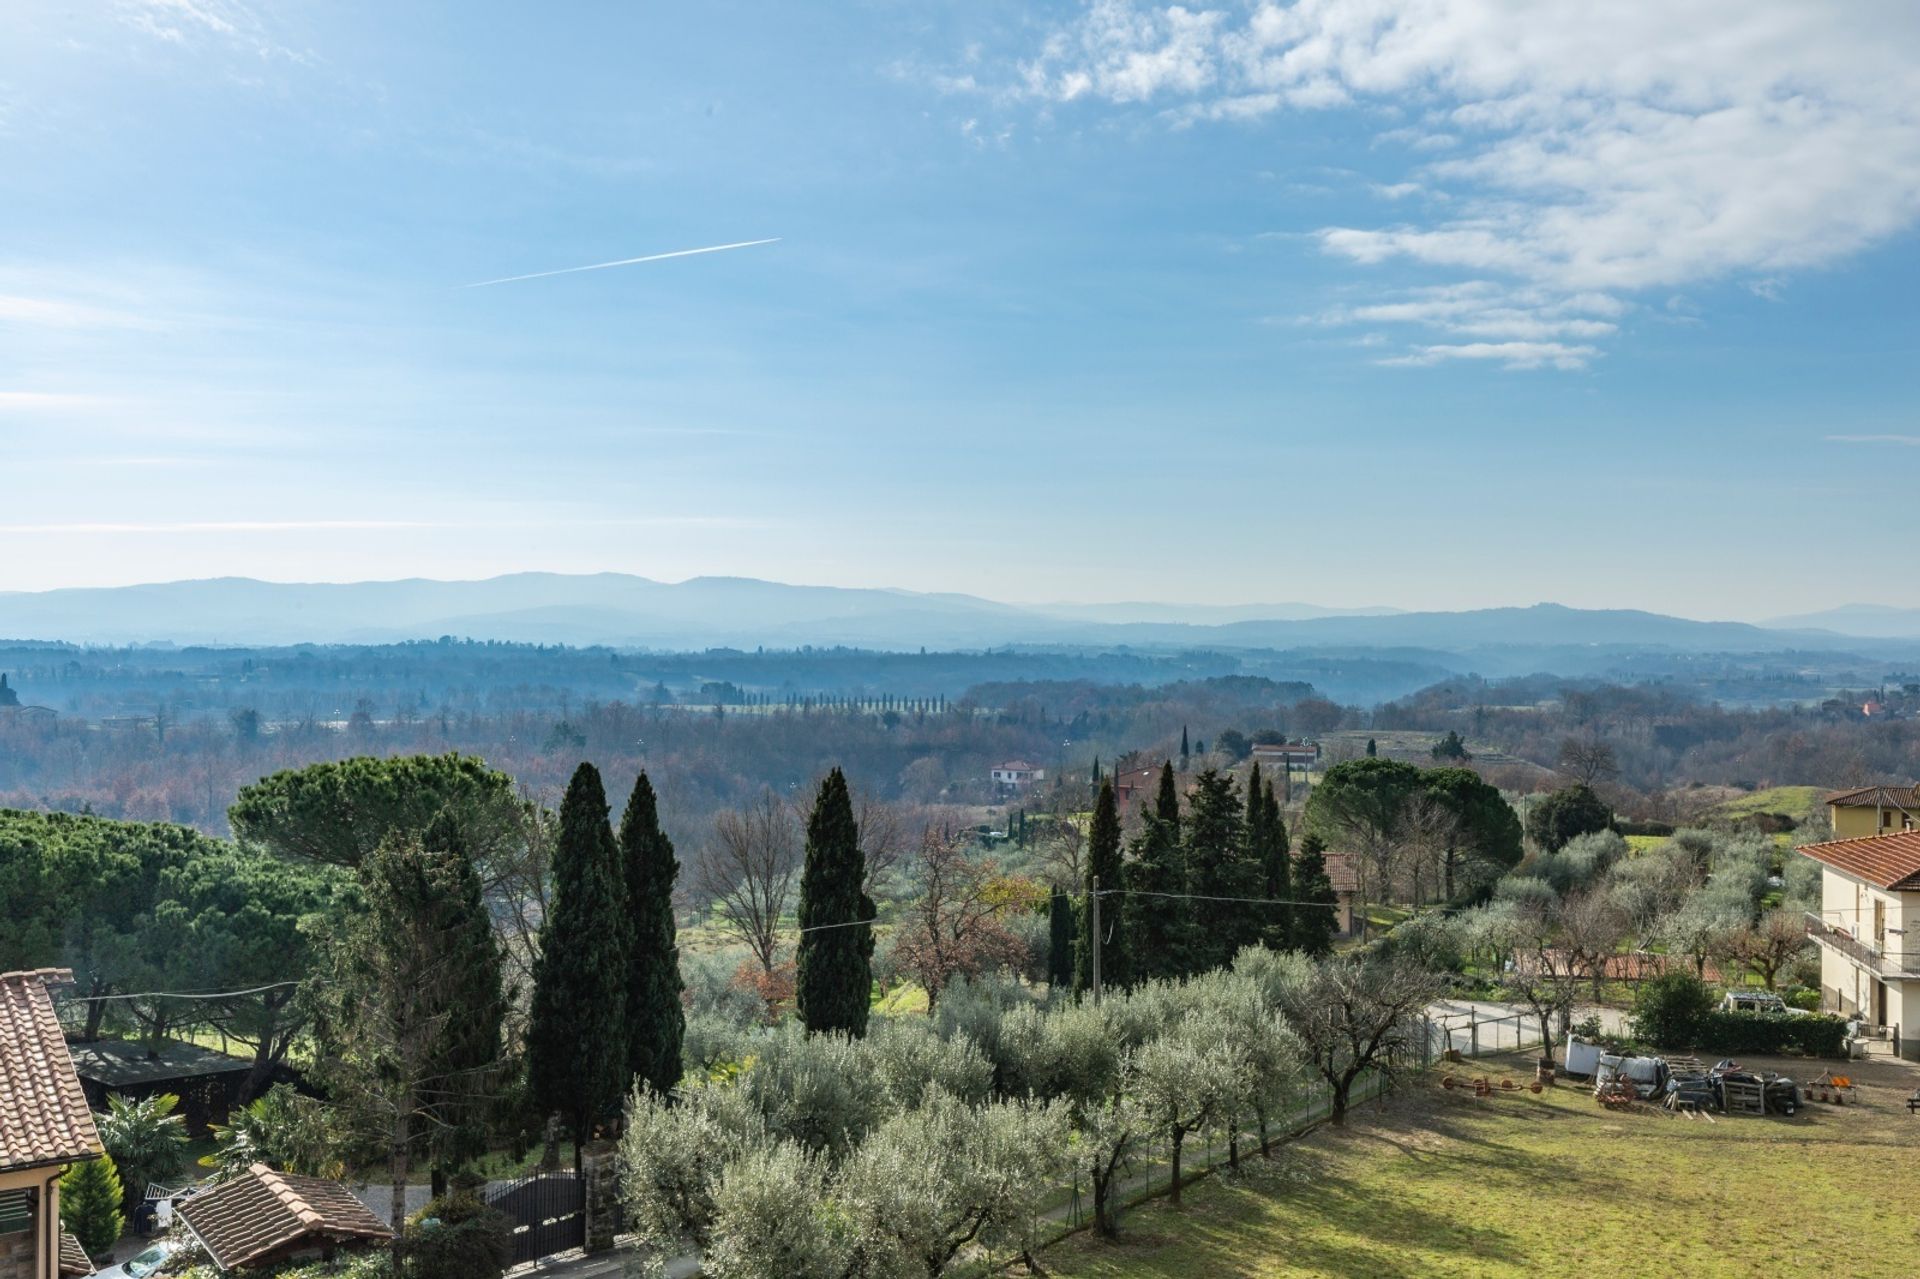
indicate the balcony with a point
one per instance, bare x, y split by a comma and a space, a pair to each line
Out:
1874, 961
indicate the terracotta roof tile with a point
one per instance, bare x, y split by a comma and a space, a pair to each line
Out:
1875, 797
1891, 861
44, 1117
262, 1211
73, 1258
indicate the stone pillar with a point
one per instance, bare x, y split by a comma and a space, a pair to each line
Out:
598, 1163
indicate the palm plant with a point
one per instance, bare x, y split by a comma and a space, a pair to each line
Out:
147, 1140
280, 1128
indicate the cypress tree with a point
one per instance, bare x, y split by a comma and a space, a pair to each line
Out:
1059, 940
1103, 862
1157, 916
834, 982
1314, 925
1373, 749
1220, 865
1183, 748
90, 1198
467, 1055
1271, 851
576, 1032
656, 1023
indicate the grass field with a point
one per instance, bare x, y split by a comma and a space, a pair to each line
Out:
1797, 802
1438, 1184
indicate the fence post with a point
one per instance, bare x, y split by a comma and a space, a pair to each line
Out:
1473, 1033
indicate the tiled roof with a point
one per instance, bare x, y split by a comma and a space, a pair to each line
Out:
1876, 797
1342, 873
43, 1110
73, 1258
1891, 861
1017, 766
262, 1211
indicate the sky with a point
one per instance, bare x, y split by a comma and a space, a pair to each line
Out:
1444, 304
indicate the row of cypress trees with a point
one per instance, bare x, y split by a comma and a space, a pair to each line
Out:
606, 985
606, 1009
1195, 888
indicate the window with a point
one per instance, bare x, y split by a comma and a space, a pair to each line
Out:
16, 1212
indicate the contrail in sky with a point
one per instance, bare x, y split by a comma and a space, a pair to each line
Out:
601, 266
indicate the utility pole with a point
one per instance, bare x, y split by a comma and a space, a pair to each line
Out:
1094, 906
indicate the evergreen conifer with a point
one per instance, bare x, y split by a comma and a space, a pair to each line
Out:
1059, 940
656, 1022
1315, 924
90, 1196
1271, 852
834, 982
1158, 918
1103, 863
577, 1034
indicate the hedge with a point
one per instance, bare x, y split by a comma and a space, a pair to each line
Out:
1813, 1035
1677, 1010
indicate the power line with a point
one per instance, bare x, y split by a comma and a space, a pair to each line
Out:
178, 994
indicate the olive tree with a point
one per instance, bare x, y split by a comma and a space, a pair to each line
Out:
1356, 1016
928, 1185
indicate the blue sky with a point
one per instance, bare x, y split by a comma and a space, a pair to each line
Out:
1486, 302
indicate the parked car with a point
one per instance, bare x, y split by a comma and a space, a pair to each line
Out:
147, 1263
1754, 1001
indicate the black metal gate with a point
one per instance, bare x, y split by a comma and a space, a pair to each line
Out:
549, 1214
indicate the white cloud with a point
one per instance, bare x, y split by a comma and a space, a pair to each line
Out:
1514, 355
1589, 147
184, 22
64, 314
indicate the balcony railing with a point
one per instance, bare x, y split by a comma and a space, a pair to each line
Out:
1873, 960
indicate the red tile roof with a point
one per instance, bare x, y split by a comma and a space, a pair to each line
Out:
1342, 873
1891, 861
1875, 797
262, 1211
44, 1117
73, 1258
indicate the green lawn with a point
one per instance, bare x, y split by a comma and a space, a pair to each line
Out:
1438, 1184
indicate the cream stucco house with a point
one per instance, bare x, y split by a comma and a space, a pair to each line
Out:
1868, 930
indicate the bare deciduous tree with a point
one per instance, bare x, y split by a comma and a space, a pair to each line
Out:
749, 869
1587, 759
1765, 948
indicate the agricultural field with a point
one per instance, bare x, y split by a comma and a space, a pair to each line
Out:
1435, 1183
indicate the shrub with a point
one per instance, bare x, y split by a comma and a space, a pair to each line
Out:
457, 1237
1772, 1034
90, 1196
1668, 1010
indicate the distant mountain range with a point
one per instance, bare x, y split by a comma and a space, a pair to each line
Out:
1874, 621
704, 612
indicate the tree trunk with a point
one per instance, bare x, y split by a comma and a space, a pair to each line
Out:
1233, 1147
1266, 1147
1179, 1138
397, 1169
1340, 1090
96, 1009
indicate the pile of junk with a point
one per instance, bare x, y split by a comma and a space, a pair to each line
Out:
1681, 1083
